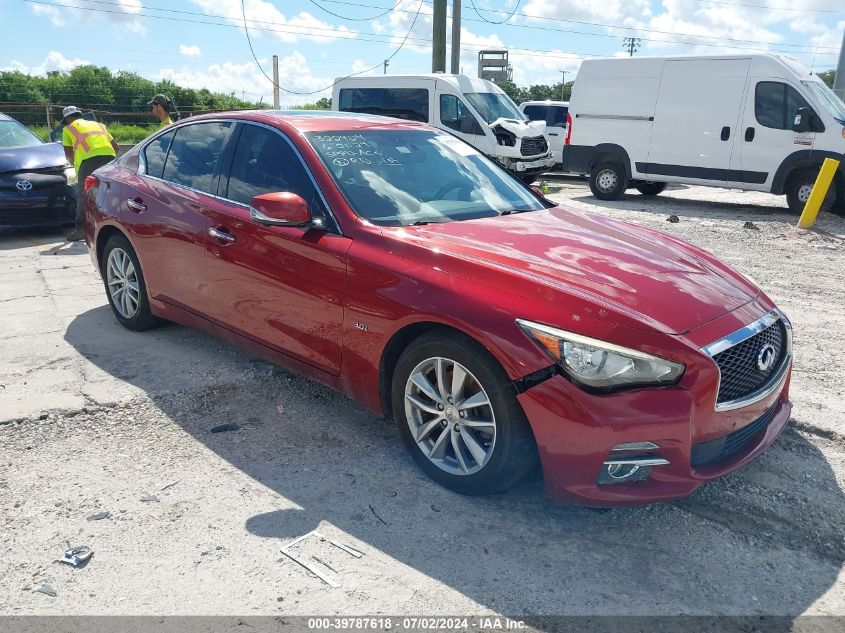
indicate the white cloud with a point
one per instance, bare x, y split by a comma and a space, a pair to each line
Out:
54, 61
189, 51
126, 13
248, 81
263, 18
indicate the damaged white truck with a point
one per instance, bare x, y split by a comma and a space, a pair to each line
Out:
475, 110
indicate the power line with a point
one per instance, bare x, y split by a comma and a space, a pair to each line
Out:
767, 8
478, 13
346, 17
275, 85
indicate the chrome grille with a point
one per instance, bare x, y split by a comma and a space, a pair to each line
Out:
533, 145
742, 380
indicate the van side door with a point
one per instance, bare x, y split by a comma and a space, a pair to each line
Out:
696, 120
767, 136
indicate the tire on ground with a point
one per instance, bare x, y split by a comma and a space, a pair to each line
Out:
514, 449
143, 319
608, 180
798, 189
650, 188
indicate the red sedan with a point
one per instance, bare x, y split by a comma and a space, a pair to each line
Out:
395, 263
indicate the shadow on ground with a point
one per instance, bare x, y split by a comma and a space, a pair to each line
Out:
766, 540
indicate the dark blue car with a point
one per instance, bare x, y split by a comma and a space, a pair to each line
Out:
34, 179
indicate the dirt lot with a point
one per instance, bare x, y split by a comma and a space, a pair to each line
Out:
97, 419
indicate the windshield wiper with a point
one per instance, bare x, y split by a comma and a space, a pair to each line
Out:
513, 211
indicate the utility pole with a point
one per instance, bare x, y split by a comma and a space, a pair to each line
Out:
562, 83
275, 82
839, 78
438, 37
386, 64
456, 36
631, 44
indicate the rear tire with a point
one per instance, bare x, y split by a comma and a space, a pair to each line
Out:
125, 286
473, 449
798, 190
608, 180
651, 188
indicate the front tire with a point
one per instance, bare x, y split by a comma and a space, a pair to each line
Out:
608, 180
651, 188
458, 415
125, 286
799, 187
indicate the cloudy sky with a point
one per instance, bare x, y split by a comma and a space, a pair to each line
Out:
201, 43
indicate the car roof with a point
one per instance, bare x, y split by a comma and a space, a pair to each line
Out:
315, 120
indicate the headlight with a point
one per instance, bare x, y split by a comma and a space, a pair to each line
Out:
70, 174
600, 365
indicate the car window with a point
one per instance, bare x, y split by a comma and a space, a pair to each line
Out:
264, 162
193, 154
156, 152
776, 103
553, 115
13, 134
456, 116
400, 103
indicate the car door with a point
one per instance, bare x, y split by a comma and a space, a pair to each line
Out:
696, 120
767, 136
281, 286
165, 205
457, 118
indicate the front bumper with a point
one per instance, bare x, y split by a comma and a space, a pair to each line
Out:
537, 166
575, 432
50, 202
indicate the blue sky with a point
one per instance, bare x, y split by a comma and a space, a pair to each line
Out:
201, 43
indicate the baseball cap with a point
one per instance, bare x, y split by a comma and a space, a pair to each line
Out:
68, 110
159, 99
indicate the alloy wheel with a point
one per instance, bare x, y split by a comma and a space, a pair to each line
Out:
122, 282
450, 416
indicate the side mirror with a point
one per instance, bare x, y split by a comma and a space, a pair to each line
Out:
803, 120
280, 209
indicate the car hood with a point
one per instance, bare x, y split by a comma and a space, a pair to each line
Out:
636, 276
31, 158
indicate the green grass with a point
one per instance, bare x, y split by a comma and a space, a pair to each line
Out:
122, 133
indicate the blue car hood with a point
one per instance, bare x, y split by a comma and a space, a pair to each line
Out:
32, 158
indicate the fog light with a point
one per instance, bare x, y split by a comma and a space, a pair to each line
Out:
618, 470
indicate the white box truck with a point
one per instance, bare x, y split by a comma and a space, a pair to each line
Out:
754, 122
475, 110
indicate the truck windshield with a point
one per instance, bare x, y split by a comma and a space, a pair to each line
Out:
400, 177
492, 106
13, 134
827, 98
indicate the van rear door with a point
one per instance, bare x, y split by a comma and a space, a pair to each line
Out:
696, 121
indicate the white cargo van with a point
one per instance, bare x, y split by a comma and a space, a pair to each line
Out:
755, 122
473, 109
554, 114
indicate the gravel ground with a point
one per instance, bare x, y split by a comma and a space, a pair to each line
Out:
95, 419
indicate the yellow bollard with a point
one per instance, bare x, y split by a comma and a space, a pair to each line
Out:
817, 195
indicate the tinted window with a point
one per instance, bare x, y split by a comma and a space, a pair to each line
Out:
554, 116
156, 152
401, 103
456, 116
263, 163
775, 104
194, 153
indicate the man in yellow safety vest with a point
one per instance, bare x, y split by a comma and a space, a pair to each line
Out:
88, 145
161, 107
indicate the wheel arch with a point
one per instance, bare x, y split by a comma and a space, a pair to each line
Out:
610, 152
805, 159
103, 236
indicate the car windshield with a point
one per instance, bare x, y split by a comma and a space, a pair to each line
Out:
492, 106
400, 177
827, 98
13, 134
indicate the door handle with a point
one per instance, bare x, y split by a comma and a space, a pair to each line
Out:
726, 133
553, 133
749, 134
136, 205
221, 235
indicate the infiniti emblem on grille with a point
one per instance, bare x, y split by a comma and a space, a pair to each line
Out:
766, 357
23, 185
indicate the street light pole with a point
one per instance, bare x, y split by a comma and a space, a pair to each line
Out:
562, 83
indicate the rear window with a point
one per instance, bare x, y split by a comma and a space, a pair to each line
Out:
193, 154
554, 116
156, 152
401, 103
